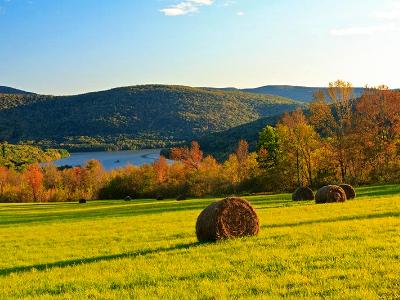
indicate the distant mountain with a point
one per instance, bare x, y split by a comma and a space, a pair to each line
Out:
9, 90
131, 117
299, 93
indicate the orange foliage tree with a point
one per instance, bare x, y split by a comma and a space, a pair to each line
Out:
34, 178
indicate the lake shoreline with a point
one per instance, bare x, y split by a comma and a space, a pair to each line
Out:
111, 159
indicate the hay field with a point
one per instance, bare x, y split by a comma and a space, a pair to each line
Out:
148, 249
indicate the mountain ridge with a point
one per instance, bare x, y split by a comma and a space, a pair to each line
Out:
11, 90
131, 117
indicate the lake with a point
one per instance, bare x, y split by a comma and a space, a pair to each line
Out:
112, 160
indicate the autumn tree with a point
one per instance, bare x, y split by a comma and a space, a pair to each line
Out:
190, 157
160, 167
299, 141
378, 115
34, 178
207, 179
242, 153
268, 147
52, 177
3, 179
332, 115
92, 177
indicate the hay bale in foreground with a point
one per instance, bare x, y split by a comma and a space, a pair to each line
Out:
330, 194
303, 194
82, 201
349, 190
228, 218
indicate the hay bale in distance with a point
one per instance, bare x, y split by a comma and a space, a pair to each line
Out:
180, 198
349, 190
82, 201
228, 218
303, 194
128, 198
330, 194
159, 198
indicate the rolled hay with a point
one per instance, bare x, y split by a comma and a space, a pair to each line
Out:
82, 201
330, 194
349, 190
225, 219
128, 198
181, 198
303, 194
159, 198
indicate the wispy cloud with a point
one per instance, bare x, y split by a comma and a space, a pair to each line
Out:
229, 2
392, 13
240, 13
381, 18
185, 7
364, 30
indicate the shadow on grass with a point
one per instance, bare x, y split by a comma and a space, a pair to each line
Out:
378, 190
82, 261
119, 210
98, 212
333, 220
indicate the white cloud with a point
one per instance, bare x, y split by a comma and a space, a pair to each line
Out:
391, 13
240, 13
185, 7
382, 18
364, 30
229, 3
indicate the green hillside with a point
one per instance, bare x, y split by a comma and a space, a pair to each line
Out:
131, 117
221, 144
299, 93
9, 90
20, 156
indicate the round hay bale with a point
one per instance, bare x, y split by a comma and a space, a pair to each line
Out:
349, 190
228, 218
180, 198
82, 201
330, 194
128, 198
303, 194
159, 198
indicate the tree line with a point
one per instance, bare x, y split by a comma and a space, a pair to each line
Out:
338, 139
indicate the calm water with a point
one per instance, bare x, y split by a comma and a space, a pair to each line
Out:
111, 160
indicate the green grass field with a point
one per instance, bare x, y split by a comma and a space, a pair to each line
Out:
148, 249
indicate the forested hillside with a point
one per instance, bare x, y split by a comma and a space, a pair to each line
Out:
9, 90
131, 117
221, 144
20, 156
299, 93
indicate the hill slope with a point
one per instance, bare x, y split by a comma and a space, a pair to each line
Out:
132, 117
10, 90
299, 93
221, 144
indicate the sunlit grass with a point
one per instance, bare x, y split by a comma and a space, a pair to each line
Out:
148, 249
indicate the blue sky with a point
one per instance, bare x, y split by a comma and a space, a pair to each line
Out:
73, 46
